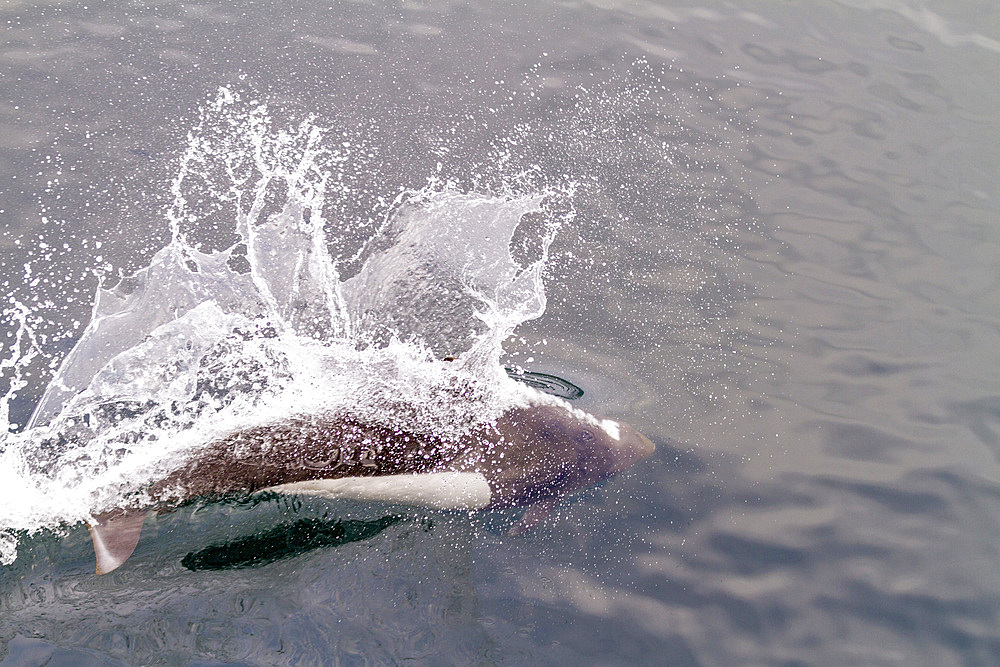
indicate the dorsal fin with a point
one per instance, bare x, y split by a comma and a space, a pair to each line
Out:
115, 536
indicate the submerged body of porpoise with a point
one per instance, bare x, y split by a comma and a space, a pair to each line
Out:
531, 456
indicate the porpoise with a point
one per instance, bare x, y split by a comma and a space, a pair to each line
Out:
531, 456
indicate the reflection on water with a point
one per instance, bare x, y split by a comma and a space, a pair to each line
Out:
781, 266
320, 602
286, 541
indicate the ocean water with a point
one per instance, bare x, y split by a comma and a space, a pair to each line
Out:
765, 234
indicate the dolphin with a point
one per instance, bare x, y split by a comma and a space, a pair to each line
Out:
531, 456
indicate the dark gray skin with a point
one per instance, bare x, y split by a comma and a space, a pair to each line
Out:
531, 456
548, 452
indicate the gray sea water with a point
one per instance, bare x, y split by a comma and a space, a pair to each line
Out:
780, 260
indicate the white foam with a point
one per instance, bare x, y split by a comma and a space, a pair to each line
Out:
208, 340
611, 427
438, 490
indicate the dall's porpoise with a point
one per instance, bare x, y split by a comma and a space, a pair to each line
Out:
531, 456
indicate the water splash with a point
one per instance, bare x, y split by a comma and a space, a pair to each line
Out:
244, 318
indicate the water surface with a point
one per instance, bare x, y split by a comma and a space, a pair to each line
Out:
777, 257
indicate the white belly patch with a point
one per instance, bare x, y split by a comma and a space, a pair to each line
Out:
437, 490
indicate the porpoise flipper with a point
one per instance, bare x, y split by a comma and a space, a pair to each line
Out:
534, 515
115, 536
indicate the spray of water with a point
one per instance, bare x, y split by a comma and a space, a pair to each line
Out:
243, 318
